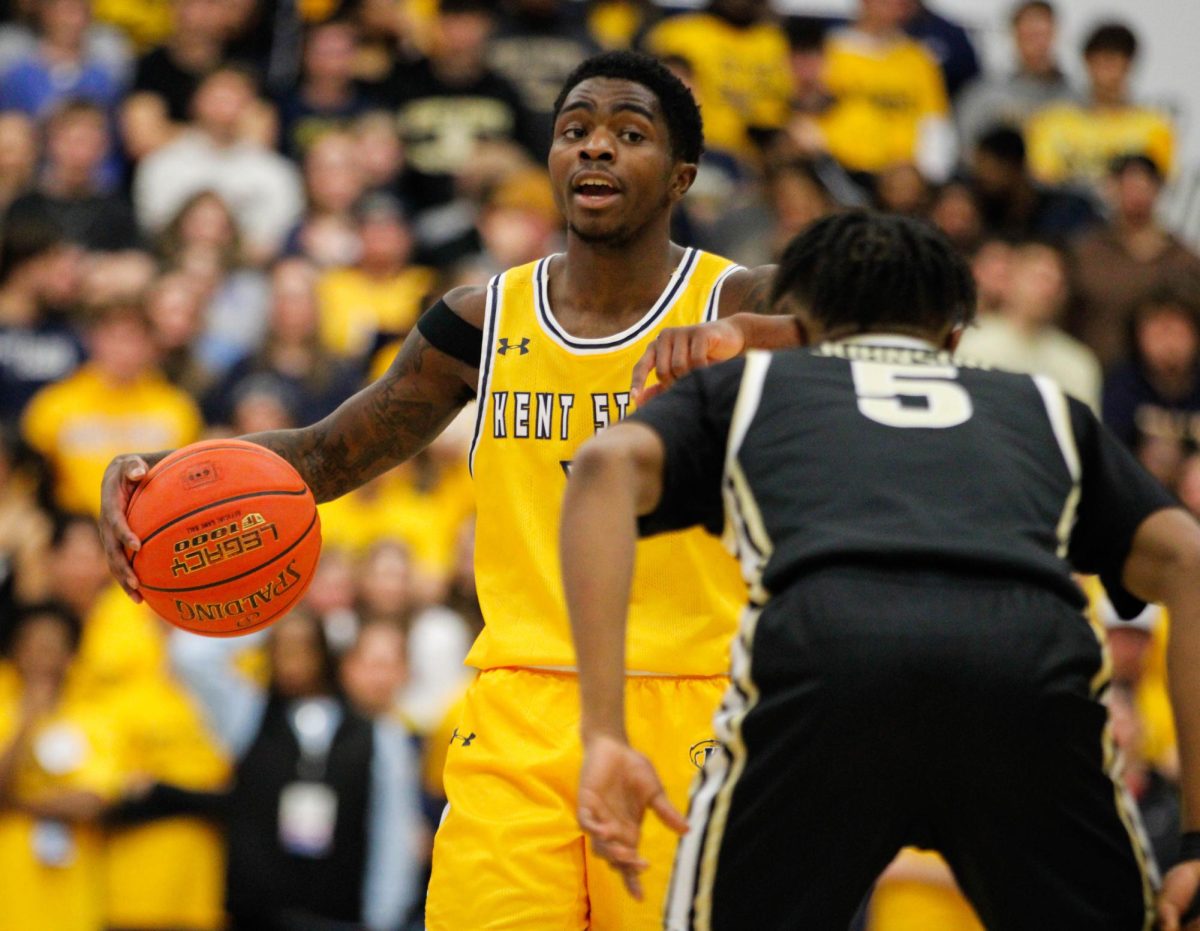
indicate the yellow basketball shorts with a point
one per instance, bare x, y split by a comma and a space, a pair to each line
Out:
509, 853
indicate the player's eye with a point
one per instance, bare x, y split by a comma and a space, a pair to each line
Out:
632, 135
573, 132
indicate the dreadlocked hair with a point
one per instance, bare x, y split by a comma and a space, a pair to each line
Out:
867, 270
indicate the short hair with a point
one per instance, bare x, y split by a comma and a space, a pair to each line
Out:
1122, 163
679, 108
461, 7
1112, 36
26, 614
61, 523
806, 33
867, 270
1032, 6
74, 107
1004, 143
236, 69
26, 234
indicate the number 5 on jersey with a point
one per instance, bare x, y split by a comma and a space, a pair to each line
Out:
936, 399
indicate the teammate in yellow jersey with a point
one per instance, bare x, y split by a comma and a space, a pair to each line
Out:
548, 349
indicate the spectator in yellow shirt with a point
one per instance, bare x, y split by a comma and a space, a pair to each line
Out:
740, 72
118, 400
1077, 142
57, 772
889, 99
380, 294
169, 873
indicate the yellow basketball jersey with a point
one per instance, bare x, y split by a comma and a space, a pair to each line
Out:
542, 393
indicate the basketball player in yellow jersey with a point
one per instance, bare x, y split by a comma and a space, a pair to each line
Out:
548, 349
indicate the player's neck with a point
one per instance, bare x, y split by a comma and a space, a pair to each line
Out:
600, 280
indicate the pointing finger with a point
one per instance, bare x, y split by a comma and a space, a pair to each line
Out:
641, 371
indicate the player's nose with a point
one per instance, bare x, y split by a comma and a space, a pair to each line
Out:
598, 146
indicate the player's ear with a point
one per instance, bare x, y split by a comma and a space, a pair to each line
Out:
682, 178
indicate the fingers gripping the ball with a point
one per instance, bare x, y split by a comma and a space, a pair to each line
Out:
121, 480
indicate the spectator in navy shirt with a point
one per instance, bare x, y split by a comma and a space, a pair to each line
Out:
39, 273
327, 96
1154, 396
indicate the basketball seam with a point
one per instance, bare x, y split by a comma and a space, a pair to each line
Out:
250, 494
244, 446
233, 578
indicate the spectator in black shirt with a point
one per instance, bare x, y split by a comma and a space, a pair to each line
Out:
537, 43
70, 191
327, 96
451, 102
1013, 203
167, 77
913, 620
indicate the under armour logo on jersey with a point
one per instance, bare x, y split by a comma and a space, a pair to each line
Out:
522, 347
466, 741
701, 751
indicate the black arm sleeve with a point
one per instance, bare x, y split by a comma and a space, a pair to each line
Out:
1116, 495
692, 419
447, 332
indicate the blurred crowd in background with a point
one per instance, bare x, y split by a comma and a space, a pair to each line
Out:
221, 216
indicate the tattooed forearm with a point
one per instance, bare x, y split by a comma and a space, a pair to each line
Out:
381, 426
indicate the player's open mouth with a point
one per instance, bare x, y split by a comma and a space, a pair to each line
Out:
594, 190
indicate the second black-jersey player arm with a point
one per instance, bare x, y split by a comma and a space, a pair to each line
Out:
1164, 566
660, 469
379, 427
625, 475
1147, 549
745, 321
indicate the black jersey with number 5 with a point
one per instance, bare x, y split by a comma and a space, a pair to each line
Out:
882, 451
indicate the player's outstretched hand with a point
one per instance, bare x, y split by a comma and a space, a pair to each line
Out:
678, 350
120, 479
616, 787
1176, 898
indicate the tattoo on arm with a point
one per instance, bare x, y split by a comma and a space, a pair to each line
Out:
384, 424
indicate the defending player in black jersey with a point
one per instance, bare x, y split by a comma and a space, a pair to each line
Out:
914, 667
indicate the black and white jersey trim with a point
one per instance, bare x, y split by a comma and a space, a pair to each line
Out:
491, 319
712, 310
675, 287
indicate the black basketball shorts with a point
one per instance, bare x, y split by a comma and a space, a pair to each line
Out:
874, 709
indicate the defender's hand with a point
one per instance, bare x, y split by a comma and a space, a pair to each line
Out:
120, 479
616, 787
678, 350
1179, 889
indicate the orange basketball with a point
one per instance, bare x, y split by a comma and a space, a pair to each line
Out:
230, 537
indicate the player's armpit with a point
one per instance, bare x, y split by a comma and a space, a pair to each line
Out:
747, 291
